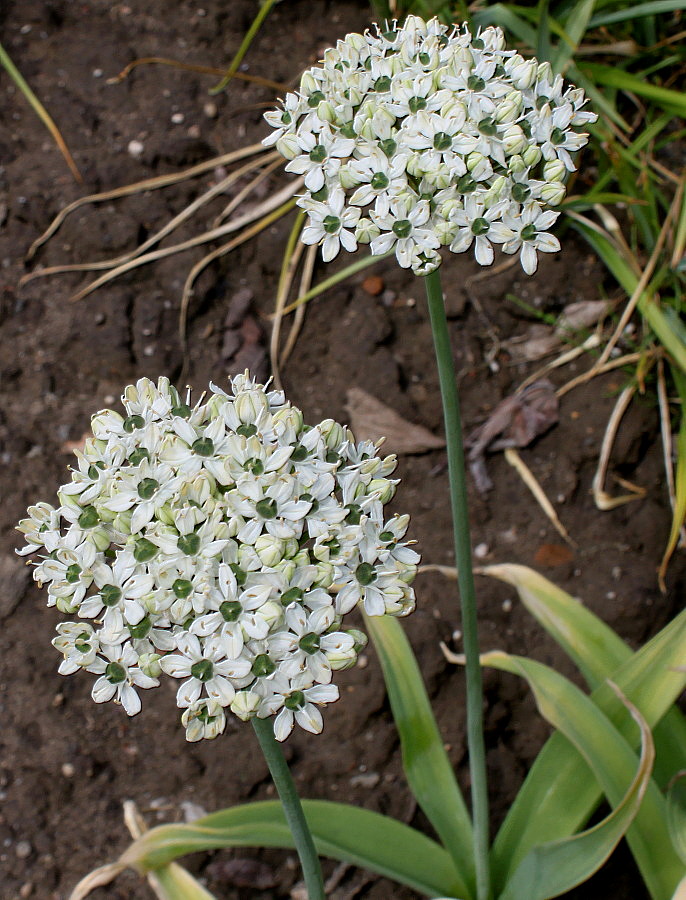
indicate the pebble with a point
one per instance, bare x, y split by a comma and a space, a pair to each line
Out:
368, 780
481, 551
68, 770
210, 110
507, 605
26, 890
177, 118
362, 662
23, 850
135, 149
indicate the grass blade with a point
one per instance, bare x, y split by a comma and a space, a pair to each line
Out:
610, 76
40, 111
363, 838
427, 768
635, 11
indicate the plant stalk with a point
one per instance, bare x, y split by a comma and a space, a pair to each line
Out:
295, 817
463, 561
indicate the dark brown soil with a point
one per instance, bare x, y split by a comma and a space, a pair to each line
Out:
66, 764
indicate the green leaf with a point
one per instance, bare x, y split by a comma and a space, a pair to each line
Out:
576, 24
503, 16
679, 513
173, 882
426, 764
636, 10
358, 836
676, 815
624, 81
558, 796
552, 868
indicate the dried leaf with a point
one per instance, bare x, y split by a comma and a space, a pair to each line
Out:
370, 419
581, 315
551, 555
538, 341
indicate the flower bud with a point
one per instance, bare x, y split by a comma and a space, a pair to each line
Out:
509, 109
288, 145
325, 575
516, 165
554, 170
522, 71
366, 231
514, 140
532, 155
553, 193
495, 193
332, 433
326, 112
271, 612
269, 549
348, 178
383, 487
149, 664
245, 704
479, 166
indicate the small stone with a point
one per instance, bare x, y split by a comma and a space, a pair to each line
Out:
26, 890
193, 131
23, 850
97, 73
210, 110
68, 770
367, 780
373, 285
362, 661
135, 149
177, 118
481, 551
507, 606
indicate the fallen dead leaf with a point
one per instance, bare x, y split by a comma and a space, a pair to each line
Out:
371, 420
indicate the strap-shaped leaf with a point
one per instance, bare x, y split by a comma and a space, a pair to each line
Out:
586, 731
555, 867
598, 652
426, 764
173, 882
676, 815
358, 836
558, 795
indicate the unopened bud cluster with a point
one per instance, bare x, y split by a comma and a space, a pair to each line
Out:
421, 136
220, 543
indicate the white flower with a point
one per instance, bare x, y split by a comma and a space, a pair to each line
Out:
397, 116
119, 672
205, 666
301, 707
530, 229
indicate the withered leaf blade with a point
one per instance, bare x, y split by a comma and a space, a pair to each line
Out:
370, 420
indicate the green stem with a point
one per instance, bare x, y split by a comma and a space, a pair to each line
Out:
295, 817
463, 560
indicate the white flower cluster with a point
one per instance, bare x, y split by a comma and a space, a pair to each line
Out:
222, 544
422, 136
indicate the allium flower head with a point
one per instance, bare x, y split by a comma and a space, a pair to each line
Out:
220, 543
421, 136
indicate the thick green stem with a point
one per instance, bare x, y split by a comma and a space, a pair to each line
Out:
295, 817
463, 560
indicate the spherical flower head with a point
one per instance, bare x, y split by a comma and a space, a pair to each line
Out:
220, 543
395, 128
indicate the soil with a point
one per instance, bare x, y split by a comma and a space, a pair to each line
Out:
66, 764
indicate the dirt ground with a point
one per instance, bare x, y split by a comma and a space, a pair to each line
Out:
66, 764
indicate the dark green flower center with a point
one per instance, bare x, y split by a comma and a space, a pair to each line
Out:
94, 471
321, 194
141, 629
475, 83
382, 84
189, 543
110, 594
131, 423
115, 673
442, 141
541, 101
488, 126
558, 136
315, 99
230, 610
204, 446
365, 574
239, 574
526, 128
386, 536
354, 514
480, 226
183, 410
520, 192
388, 147
379, 181
318, 153
266, 508
203, 670
416, 103
82, 647
247, 430
286, 118
73, 573
331, 224
309, 642
347, 131
144, 550
182, 588
402, 228
89, 517
528, 233
147, 487
292, 595
263, 665
255, 465
477, 44
299, 453
466, 184
308, 498
424, 59
138, 455
294, 701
